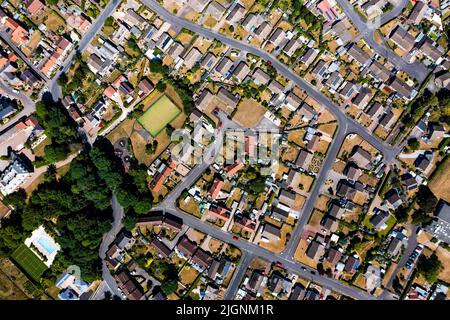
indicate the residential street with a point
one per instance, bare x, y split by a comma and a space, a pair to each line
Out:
118, 214
416, 70
28, 104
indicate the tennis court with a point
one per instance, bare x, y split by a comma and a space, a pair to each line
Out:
29, 262
160, 113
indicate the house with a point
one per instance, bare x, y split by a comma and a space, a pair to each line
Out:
208, 61
279, 213
440, 226
96, 64
14, 175
185, 247
145, 86
129, 286
379, 71
215, 10
227, 97
431, 51
315, 250
394, 247
219, 212
361, 157
312, 294
402, 89
277, 37
334, 81
198, 5
287, 197
352, 172
255, 281
341, 30
346, 190
249, 22
270, 232
362, 98
263, 30
175, 50
224, 66
422, 162
408, 181
292, 101
245, 223
378, 220
204, 99
327, 10
333, 256
309, 57
298, 292
161, 249
393, 199
202, 259
124, 241
173, 223
260, 77
192, 58
351, 264
232, 169
403, 39
306, 112
153, 220
241, 71
304, 159
375, 111
387, 120
329, 223
215, 188
236, 14
132, 18
373, 8
417, 12
29, 77
291, 46
435, 131
275, 87
358, 55
336, 211
161, 175
35, 7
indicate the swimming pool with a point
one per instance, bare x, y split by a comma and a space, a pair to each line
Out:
46, 245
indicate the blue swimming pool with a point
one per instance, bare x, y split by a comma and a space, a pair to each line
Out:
46, 245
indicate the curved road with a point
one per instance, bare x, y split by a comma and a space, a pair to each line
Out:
28, 104
341, 116
416, 70
116, 226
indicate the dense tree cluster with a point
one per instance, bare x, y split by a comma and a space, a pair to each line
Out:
78, 206
59, 128
429, 267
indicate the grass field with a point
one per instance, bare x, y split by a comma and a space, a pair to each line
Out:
161, 113
29, 262
439, 181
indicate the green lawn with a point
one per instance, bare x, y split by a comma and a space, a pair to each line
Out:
161, 113
29, 262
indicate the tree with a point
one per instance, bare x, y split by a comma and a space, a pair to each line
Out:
16, 199
129, 222
161, 86
429, 267
168, 287
426, 199
413, 144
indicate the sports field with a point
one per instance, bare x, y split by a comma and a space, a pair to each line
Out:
160, 113
29, 262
